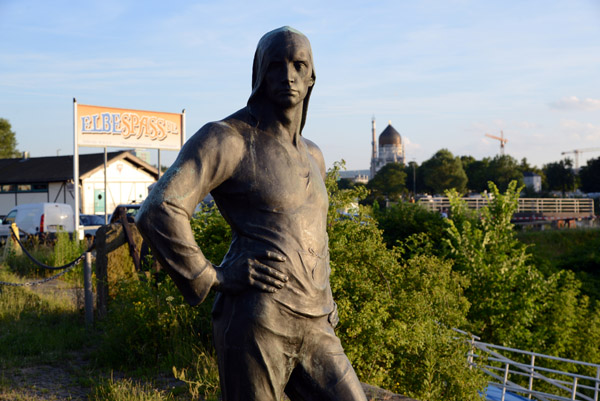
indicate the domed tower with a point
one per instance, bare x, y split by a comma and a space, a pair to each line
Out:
391, 149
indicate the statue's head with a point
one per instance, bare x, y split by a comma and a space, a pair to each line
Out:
283, 57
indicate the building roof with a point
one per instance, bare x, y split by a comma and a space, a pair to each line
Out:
390, 136
60, 168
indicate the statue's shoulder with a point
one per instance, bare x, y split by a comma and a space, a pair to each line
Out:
316, 153
229, 130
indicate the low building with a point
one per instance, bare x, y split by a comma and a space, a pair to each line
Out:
533, 181
50, 179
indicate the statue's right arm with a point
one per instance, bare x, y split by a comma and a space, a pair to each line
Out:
206, 160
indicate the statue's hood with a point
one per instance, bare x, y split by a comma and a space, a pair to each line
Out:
262, 59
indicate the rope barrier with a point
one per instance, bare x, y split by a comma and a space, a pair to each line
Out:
65, 268
38, 282
40, 264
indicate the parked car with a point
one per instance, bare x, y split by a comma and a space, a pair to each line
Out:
91, 223
38, 218
130, 210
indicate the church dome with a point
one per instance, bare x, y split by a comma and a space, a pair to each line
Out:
390, 136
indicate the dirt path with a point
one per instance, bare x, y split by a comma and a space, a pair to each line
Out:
67, 381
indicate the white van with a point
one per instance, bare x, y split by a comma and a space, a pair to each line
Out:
38, 218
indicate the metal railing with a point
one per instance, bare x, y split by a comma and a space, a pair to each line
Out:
526, 205
539, 381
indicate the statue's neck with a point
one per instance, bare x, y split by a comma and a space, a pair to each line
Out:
285, 122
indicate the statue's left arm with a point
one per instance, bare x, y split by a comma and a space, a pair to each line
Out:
208, 159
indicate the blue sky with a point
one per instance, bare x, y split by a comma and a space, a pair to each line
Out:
444, 72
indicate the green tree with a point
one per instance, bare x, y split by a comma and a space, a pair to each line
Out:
477, 174
389, 183
8, 140
590, 176
560, 175
502, 170
444, 171
503, 288
420, 230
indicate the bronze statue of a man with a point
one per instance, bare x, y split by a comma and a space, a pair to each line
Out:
274, 314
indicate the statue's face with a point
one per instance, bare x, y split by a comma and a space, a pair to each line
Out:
289, 74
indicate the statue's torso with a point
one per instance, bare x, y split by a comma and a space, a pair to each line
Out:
276, 200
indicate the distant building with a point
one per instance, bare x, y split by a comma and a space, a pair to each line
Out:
358, 176
50, 179
532, 181
391, 148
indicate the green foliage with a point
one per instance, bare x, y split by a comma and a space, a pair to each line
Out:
57, 252
212, 233
410, 223
501, 280
574, 250
8, 140
512, 303
560, 176
395, 318
389, 182
150, 326
502, 170
444, 171
589, 176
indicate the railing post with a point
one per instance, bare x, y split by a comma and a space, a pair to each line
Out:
14, 234
597, 386
574, 392
505, 381
87, 285
471, 353
531, 370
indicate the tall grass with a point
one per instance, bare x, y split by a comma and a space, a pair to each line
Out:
149, 328
127, 390
36, 328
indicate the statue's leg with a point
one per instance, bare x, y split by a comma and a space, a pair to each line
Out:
255, 349
324, 372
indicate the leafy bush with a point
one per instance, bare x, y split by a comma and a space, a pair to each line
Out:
512, 302
396, 318
401, 221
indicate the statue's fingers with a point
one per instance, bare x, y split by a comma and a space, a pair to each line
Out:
264, 283
275, 256
270, 271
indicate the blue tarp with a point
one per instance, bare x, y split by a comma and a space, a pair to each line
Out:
494, 393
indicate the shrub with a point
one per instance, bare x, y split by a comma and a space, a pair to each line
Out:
396, 318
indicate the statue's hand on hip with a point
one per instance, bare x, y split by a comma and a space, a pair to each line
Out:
257, 272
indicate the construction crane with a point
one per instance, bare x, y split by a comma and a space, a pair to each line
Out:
577, 152
501, 139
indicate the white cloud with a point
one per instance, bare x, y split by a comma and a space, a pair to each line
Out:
581, 131
409, 144
574, 103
